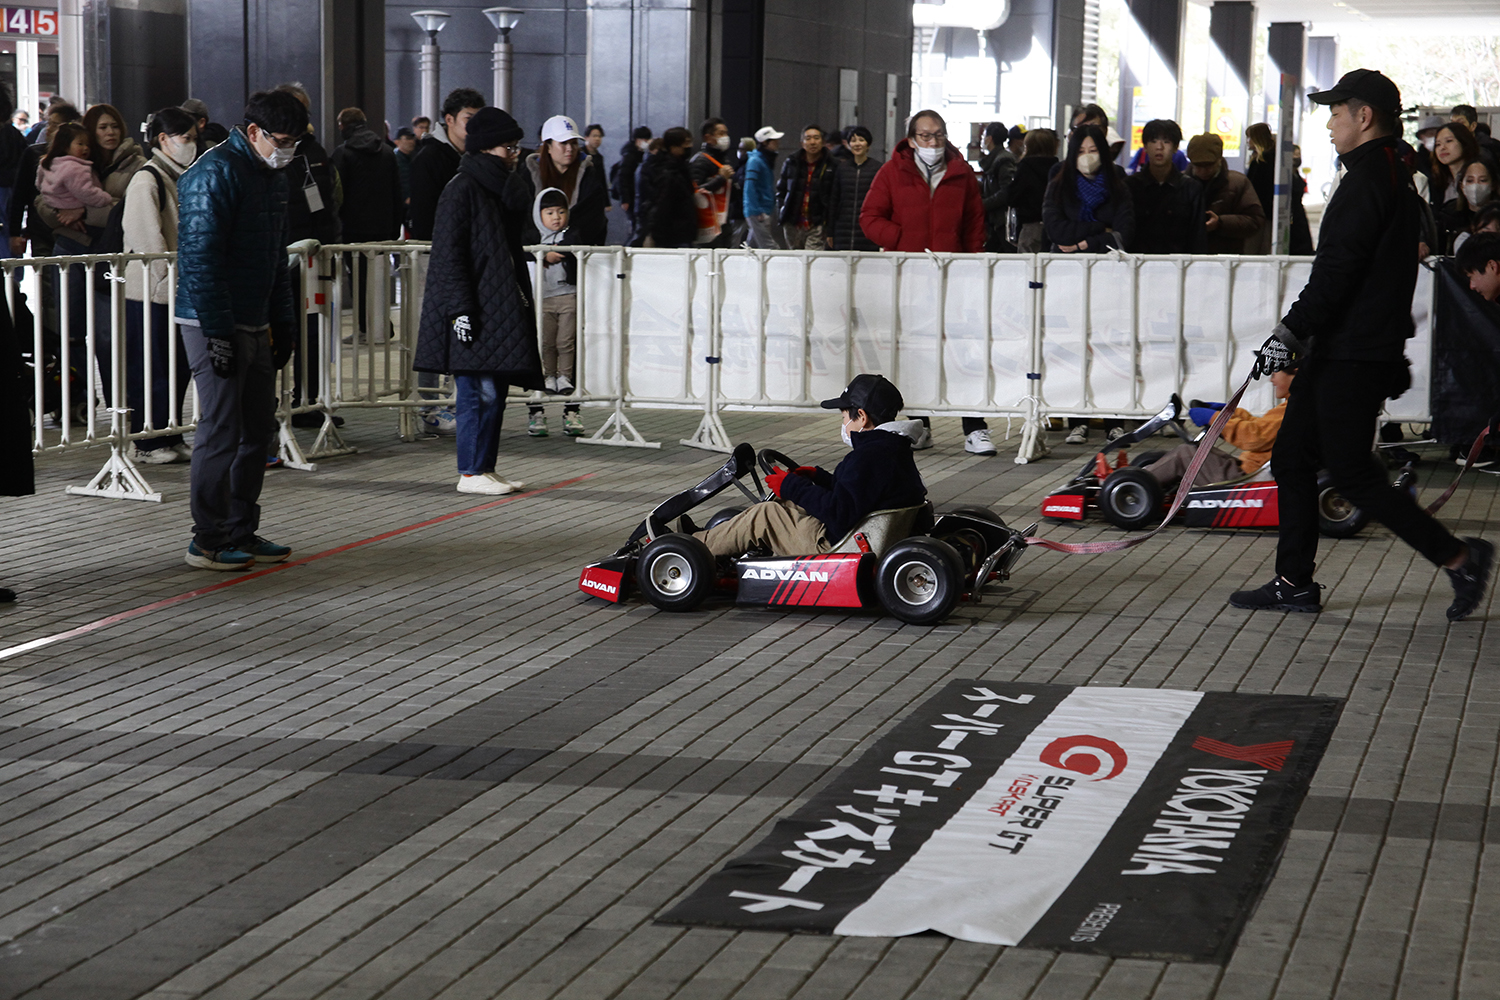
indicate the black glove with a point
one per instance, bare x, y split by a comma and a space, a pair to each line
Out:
462, 330
1281, 351
221, 355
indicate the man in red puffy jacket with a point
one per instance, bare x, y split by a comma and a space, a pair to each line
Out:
926, 197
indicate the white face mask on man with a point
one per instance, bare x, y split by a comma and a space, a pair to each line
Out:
280, 158
722, 142
931, 155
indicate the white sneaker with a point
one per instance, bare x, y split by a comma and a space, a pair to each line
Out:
486, 483
184, 449
1112, 433
156, 456
442, 421
1078, 435
921, 436
564, 384
979, 443
549, 384
514, 484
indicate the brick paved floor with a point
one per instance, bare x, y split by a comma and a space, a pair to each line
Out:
429, 767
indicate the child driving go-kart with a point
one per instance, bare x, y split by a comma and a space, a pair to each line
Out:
1253, 435
815, 505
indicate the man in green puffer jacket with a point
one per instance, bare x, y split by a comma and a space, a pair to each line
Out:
234, 298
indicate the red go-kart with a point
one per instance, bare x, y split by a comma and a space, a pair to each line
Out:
908, 562
1130, 497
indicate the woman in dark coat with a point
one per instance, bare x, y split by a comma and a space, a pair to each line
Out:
852, 176
477, 316
15, 435
1029, 186
673, 218
1087, 208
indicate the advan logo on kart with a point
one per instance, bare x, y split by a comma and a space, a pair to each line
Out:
1225, 504
1062, 508
602, 587
751, 573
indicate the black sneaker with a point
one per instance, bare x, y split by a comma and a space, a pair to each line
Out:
1278, 595
1469, 580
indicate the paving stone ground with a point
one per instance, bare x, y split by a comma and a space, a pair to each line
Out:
428, 767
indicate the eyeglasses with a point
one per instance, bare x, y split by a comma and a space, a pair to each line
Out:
290, 142
932, 136
511, 147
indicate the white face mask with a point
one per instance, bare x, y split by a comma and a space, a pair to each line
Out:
1477, 193
931, 156
181, 152
1088, 163
722, 142
641, 144
280, 158
844, 433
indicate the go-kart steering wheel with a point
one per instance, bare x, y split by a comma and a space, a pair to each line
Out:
769, 459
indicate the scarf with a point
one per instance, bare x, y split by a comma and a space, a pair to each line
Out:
1092, 194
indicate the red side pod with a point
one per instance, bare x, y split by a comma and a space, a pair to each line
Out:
1064, 506
1253, 505
824, 581
597, 581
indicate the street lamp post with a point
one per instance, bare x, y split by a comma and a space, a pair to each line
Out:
504, 19
430, 21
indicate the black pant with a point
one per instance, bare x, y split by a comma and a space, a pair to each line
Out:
1330, 424
971, 424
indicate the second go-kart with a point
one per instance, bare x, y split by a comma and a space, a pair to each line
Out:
914, 565
1129, 497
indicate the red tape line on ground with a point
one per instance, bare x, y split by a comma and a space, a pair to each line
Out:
167, 602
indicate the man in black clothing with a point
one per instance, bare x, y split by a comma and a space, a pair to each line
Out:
673, 219
712, 169
373, 207
1169, 214
803, 191
622, 174
1348, 330
438, 156
1468, 115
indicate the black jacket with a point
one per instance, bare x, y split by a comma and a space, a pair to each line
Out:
1168, 216
586, 216
12, 149
851, 182
878, 474
789, 189
303, 223
432, 167
15, 423
673, 218
472, 273
997, 169
1356, 305
1029, 186
622, 175
1060, 212
373, 205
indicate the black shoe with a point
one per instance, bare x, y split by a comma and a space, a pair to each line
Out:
686, 526
1278, 595
1469, 580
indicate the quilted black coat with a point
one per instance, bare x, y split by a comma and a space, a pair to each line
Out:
15, 434
472, 273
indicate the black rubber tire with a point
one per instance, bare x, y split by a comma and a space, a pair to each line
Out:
723, 515
1145, 458
983, 513
676, 572
919, 580
971, 547
1337, 517
1130, 498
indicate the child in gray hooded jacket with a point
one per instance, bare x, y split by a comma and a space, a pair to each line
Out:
559, 312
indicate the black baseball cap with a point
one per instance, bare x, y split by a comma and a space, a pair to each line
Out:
875, 394
1368, 85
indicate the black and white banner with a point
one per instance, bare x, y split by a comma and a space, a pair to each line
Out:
1122, 821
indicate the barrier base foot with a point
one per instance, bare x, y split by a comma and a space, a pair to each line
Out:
289, 449
329, 442
1033, 444
710, 435
618, 432
118, 480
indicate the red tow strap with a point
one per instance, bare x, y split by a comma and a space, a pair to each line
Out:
1474, 451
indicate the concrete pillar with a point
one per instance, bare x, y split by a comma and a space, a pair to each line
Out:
1039, 52
1150, 54
70, 51
1286, 53
1322, 61
1231, 58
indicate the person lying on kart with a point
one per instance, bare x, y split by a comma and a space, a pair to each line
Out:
816, 508
1253, 435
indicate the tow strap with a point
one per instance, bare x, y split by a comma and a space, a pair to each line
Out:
1191, 475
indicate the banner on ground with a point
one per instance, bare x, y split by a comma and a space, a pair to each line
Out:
1119, 821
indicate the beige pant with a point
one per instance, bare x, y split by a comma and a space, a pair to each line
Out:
559, 334
780, 525
1217, 467
805, 237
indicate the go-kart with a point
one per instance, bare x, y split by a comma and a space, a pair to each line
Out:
1129, 497
909, 562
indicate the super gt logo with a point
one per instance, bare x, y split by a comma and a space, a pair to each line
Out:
1218, 504
751, 573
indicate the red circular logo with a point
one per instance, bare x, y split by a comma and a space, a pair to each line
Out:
1086, 755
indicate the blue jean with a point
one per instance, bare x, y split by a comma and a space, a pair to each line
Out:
480, 407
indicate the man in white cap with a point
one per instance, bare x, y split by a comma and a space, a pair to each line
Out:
760, 191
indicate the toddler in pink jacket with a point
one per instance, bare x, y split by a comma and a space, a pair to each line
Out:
66, 177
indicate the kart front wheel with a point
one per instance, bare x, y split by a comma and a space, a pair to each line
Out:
1130, 498
1337, 517
675, 572
918, 580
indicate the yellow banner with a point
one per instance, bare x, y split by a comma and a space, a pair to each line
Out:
1224, 121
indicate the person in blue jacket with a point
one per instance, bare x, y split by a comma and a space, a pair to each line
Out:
816, 508
760, 191
235, 306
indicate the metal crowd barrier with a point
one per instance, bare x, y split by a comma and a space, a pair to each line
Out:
1024, 337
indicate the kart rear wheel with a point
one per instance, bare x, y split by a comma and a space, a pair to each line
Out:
1130, 498
1145, 458
675, 572
1337, 517
983, 513
918, 580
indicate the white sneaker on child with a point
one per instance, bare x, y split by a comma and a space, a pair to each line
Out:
549, 384
564, 384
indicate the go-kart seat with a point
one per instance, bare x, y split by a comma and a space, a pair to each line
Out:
882, 529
